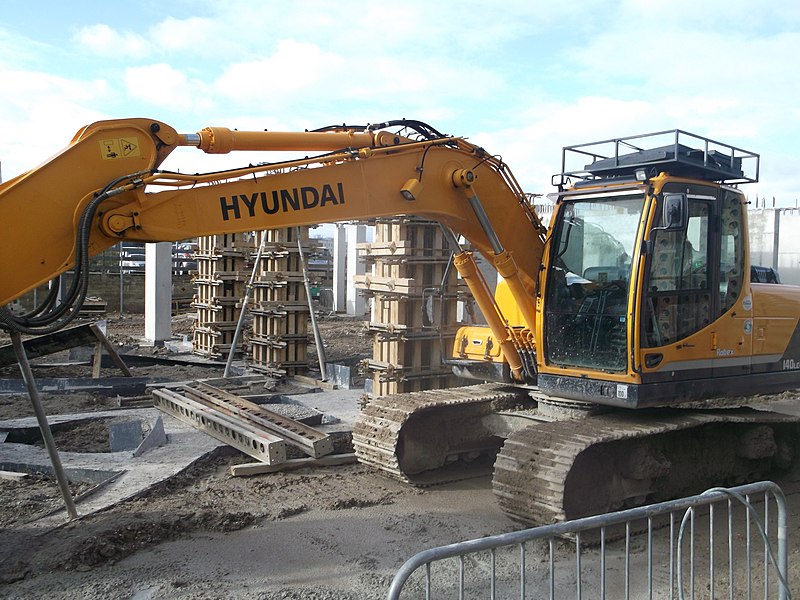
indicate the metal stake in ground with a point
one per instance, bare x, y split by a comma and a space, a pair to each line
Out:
238, 332
317, 337
44, 426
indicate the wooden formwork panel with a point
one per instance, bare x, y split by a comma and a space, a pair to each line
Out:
283, 323
226, 243
273, 354
209, 271
219, 317
217, 313
283, 286
410, 312
220, 283
393, 376
409, 257
401, 253
279, 340
390, 379
211, 343
212, 295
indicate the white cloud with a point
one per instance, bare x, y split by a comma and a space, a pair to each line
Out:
42, 115
112, 44
294, 67
165, 86
533, 149
17, 50
193, 34
531, 76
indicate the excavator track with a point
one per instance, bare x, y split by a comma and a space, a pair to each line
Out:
563, 470
433, 436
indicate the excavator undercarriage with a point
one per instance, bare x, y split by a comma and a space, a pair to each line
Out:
548, 470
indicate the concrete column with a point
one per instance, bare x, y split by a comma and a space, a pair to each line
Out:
158, 292
356, 234
340, 269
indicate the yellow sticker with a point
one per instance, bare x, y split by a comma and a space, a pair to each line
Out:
126, 147
129, 146
110, 149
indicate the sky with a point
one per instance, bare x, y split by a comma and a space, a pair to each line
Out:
520, 78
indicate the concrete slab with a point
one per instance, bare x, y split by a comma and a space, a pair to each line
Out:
105, 386
125, 435
125, 474
135, 473
339, 407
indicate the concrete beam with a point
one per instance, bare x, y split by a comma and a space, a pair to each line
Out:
158, 292
356, 234
340, 269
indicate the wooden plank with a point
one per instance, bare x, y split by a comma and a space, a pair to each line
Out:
315, 382
97, 359
112, 352
43, 345
249, 469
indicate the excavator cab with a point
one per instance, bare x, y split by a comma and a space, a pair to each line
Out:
647, 255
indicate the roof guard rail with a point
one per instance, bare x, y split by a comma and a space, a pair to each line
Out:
640, 157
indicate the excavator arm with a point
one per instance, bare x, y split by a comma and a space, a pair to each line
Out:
106, 187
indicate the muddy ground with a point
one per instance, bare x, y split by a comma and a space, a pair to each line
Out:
336, 532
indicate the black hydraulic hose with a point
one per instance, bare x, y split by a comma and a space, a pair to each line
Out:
47, 303
421, 128
49, 318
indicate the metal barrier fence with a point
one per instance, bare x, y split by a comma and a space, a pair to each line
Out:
678, 549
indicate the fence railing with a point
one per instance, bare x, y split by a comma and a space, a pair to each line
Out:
714, 545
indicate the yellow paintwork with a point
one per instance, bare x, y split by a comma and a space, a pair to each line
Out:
775, 317
477, 343
505, 301
44, 204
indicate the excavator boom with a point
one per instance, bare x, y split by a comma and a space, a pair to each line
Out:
106, 187
362, 176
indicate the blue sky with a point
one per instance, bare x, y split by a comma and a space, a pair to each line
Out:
521, 78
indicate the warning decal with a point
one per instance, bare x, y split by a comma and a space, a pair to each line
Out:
126, 147
129, 146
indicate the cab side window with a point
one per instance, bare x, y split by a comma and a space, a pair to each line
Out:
679, 300
731, 263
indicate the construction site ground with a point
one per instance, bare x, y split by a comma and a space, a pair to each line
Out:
324, 532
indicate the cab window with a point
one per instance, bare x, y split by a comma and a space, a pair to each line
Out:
731, 263
679, 299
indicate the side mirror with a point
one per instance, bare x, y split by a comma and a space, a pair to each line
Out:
675, 212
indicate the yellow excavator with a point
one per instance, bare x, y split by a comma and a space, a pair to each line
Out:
636, 300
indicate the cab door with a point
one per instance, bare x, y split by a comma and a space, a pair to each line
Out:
733, 325
679, 298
